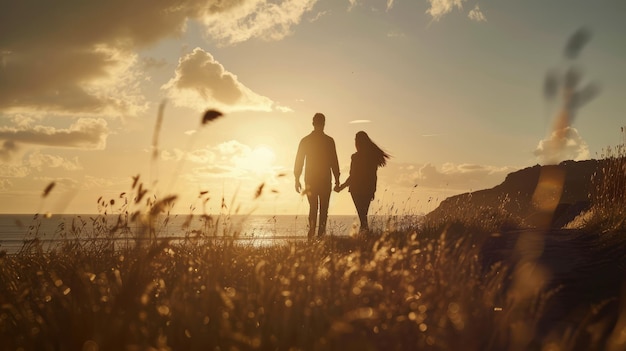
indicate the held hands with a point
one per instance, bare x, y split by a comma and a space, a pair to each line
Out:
339, 188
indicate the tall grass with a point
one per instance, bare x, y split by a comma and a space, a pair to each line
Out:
389, 291
407, 286
394, 292
608, 198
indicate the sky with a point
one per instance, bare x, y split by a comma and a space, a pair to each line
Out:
99, 97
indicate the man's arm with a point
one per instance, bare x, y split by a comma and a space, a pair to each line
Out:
334, 162
297, 167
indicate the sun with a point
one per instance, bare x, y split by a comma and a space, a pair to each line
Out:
259, 160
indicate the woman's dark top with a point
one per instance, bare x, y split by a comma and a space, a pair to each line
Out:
363, 177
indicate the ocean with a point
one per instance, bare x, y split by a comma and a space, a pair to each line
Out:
16, 229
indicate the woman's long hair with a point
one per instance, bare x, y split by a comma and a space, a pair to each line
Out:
372, 151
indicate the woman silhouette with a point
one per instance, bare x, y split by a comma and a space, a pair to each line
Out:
362, 180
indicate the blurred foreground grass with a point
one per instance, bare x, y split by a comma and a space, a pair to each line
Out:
394, 293
388, 291
467, 283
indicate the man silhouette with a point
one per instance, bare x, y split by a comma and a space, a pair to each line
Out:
320, 154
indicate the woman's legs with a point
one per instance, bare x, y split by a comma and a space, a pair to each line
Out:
362, 204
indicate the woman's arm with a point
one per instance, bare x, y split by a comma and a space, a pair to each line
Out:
343, 186
349, 180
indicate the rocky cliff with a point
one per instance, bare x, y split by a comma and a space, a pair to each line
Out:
514, 195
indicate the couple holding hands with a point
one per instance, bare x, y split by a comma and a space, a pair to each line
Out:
318, 155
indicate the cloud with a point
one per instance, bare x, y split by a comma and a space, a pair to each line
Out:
439, 8
22, 121
24, 165
70, 58
264, 19
284, 109
460, 177
38, 161
63, 183
360, 121
14, 170
153, 63
231, 159
201, 82
85, 133
5, 184
60, 59
318, 15
561, 145
69, 80
477, 15
91, 182
395, 34
374, 4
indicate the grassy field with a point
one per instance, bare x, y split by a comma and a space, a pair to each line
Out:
470, 283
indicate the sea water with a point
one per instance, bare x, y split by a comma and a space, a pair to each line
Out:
18, 229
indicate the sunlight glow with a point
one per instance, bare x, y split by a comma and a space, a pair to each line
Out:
259, 160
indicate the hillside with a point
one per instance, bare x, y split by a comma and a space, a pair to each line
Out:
514, 195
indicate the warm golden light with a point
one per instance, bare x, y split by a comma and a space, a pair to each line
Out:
258, 161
